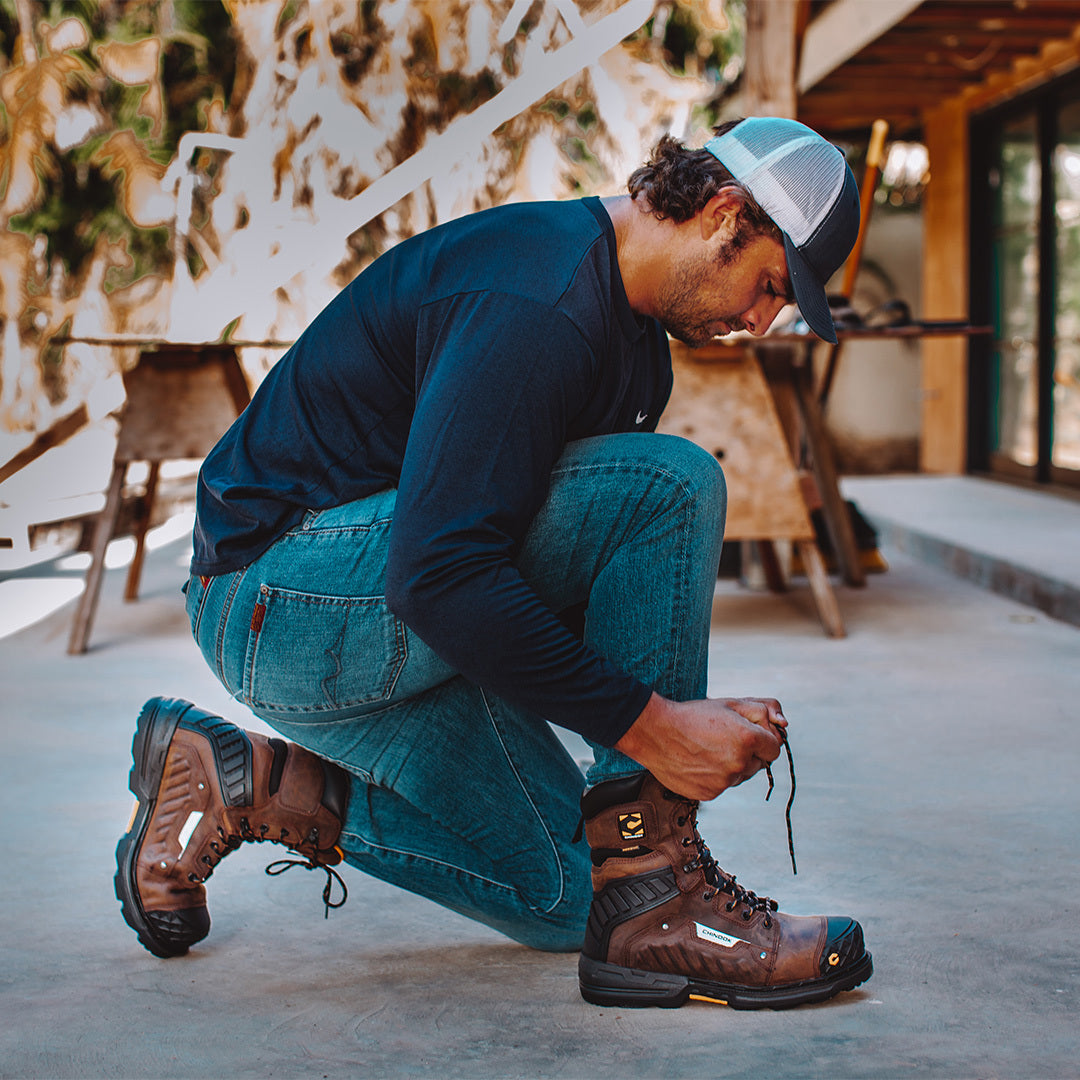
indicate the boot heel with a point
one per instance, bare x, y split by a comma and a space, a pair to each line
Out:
153, 732
610, 984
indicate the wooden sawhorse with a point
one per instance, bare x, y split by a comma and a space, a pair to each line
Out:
721, 401
180, 399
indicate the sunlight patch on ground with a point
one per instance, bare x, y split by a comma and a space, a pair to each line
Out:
25, 601
179, 525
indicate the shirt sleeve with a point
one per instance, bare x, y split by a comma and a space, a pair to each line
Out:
494, 401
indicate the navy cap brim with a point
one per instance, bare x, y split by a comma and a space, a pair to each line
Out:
809, 293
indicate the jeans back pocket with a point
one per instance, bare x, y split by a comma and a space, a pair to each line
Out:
313, 653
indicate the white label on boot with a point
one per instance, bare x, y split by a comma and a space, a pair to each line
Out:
707, 933
189, 827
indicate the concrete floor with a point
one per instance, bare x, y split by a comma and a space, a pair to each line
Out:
935, 748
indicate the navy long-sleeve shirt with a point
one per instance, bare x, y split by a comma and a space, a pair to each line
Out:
456, 367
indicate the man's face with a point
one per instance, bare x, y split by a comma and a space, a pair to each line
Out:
741, 285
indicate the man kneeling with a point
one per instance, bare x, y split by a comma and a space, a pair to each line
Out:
446, 520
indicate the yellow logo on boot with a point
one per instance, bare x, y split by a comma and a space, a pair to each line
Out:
631, 826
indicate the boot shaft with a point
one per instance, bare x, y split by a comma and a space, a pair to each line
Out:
635, 825
233, 786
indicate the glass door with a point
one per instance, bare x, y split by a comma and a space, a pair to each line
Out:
1024, 406
1015, 182
1065, 395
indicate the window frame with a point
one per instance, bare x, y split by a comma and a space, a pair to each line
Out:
1044, 104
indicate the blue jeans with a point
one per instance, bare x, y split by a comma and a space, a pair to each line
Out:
458, 795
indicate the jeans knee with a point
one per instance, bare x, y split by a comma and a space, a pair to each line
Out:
699, 475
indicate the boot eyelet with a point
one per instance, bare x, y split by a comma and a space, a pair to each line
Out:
707, 895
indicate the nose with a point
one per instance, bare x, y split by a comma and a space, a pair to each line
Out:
757, 319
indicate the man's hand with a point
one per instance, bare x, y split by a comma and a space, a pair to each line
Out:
701, 748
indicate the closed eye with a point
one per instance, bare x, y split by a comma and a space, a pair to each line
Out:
784, 294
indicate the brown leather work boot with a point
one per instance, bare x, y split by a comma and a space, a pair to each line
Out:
203, 786
667, 924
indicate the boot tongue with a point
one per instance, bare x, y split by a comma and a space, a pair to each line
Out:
715, 876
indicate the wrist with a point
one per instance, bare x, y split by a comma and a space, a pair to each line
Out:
641, 737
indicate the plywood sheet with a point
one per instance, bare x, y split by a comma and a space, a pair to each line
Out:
720, 401
179, 404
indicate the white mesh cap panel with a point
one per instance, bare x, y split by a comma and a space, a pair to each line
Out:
793, 174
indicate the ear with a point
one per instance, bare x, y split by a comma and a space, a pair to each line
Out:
720, 215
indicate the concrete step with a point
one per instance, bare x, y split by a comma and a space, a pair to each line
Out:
1016, 542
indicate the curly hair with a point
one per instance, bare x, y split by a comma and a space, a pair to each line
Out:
677, 182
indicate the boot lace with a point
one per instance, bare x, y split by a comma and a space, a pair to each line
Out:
791, 797
279, 866
744, 899
726, 883
230, 842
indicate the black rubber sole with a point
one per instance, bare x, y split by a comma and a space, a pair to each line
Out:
165, 934
610, 984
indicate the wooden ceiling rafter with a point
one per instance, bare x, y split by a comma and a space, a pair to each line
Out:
940, 50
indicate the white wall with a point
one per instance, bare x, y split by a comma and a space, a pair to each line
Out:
873, 409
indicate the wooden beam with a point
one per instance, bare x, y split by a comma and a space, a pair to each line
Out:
844, 28
964, 18
882, 85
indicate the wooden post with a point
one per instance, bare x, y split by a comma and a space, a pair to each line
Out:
943, 446
833, 507
142, 525
768, 80
103, 529
824, 598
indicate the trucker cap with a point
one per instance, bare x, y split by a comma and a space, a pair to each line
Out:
804, 184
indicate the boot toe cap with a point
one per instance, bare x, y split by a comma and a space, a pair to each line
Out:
844, 946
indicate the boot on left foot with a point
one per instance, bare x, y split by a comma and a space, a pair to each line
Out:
203, 787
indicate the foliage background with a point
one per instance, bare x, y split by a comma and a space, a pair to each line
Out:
326, 96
